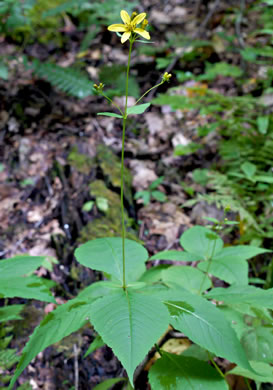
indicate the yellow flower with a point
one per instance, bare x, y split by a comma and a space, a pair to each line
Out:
129, 26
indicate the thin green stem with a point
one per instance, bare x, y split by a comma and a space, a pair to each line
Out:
247, 383
155, 86
127, 77
216, 365
122, 202
208, 268
122, 167
158, 349
111, 101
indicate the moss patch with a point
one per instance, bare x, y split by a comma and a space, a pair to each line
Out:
111, 167
108, 225
80, 161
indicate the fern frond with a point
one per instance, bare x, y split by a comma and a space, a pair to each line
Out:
68, 80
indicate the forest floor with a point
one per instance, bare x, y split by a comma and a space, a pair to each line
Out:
57, 156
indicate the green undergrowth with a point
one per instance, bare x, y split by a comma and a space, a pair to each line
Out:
109, 223
242, 179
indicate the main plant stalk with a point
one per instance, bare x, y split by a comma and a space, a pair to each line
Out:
122, 166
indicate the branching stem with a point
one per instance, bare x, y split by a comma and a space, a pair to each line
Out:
111, 101
155, 86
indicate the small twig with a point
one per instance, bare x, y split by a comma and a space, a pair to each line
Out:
184, 48
197, 7
207, 18
76, 366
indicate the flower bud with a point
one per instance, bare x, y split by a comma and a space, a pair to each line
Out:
144, 24
98, 88
166, 77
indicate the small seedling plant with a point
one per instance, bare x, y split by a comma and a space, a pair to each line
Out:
152, 193
134, 307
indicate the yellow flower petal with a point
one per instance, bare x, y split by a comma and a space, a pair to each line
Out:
117, 27
138, 19
125, 17
142, 32
125, 36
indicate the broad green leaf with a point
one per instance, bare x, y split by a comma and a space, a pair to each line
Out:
139, 109
97, 290
235, 318
197, 352
109, 383
265, 179
175, 256
201, 241
173, 372
158, 195
232, 270
243, 294
10, 313
265, 372
253, 311
144, 195
102, 204
249, 169
188, 277
19, 265
105, 254
258, 344
230, 265
263, 122
88, 206
184, 150
30, 287
156, 183
130, 323
243, 252
154, 274
63, 321
110, 114
96, 343
205, 325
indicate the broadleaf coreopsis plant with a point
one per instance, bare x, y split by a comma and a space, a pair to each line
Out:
134, 307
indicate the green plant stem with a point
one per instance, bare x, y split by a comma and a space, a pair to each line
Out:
216, 365
111, 101
122, 167
247, 383
158, 349
208, 268
122, 203
155, 86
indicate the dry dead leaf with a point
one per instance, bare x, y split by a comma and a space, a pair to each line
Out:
164, 220
143, 174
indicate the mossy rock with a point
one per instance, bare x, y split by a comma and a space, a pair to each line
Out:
111, 168
80, 161
29, 22
108, 225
